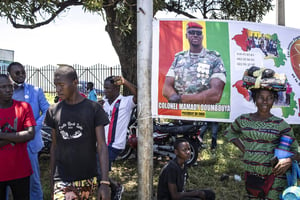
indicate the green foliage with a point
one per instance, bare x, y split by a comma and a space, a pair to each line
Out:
50, 97
45, 176
214, 9
93, 6
32, 14
125, 15
244, 10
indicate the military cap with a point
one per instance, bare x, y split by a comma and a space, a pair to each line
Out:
193, 25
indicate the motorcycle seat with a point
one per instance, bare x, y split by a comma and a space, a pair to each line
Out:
174, 129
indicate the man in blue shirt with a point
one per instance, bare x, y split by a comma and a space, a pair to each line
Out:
92, 95
36, 98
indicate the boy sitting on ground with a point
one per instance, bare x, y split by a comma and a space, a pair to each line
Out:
174, 175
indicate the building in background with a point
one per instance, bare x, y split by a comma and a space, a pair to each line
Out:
6, 57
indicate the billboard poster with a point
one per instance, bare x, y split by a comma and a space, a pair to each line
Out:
230, 47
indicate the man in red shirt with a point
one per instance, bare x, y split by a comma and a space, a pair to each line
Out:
16, 129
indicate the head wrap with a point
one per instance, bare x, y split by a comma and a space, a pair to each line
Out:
263, 78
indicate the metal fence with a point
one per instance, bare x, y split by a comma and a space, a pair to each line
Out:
43, 77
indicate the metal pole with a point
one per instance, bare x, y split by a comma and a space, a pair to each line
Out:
280, 12
145, 126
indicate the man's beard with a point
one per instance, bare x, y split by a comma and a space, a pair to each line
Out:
17, 83
196, 46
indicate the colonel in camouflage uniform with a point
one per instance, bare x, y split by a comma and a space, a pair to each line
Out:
196, 76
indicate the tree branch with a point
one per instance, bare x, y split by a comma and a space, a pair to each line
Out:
61, 7
178, 11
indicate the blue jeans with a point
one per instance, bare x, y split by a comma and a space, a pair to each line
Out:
113, 153
214, 132
36, 191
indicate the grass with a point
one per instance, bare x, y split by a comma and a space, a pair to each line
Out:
205, 175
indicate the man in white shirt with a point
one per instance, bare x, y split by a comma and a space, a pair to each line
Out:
118, 109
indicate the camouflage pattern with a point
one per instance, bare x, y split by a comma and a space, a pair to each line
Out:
193, 72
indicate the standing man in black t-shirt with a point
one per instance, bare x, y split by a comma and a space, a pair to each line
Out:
77, 134
174, 175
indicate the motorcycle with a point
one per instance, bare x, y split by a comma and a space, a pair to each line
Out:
164, 136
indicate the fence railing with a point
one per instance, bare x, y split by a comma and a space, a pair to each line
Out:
43, 77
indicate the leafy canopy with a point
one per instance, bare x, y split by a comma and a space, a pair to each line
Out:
35, 13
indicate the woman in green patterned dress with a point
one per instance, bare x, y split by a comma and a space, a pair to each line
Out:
257, 135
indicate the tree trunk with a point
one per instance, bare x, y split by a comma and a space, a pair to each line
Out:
123, 43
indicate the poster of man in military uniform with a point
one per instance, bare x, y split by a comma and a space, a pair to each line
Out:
196, 76
193, 80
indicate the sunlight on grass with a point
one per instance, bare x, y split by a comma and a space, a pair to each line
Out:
206, 174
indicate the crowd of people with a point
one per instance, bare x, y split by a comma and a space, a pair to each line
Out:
266, 45
88, 135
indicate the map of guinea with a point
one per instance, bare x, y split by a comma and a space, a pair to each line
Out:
269, 46
267, 43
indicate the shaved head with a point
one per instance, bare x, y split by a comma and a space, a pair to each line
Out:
67, 71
